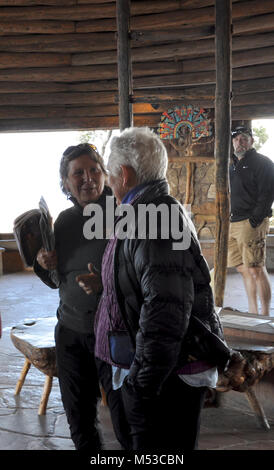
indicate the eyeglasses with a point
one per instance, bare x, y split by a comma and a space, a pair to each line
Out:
75, 149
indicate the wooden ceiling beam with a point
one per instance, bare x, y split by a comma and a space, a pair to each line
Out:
147, 54
145, 75
198, 78
184, 4
239, 87
112, 122
243, 82
179, 50
175, 19
204, 95
152, 116
64, 28
96, 42
84, 10
199, 94
239, 59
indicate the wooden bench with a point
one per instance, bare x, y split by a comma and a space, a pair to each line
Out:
35, 340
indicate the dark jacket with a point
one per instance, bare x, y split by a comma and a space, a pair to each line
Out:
76, 309
252, 187
158, 290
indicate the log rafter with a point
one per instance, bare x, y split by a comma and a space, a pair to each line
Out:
59, 56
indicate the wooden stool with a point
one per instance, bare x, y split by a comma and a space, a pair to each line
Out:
36, 342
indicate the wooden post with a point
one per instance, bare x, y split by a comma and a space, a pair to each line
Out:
222, 143
124, 64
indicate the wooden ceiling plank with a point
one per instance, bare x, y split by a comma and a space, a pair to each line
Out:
253, 112
50, 124
198, 78
30, 112
12, 3
25, 60
61, 13
141, 38
36, 27
58, 42
56, 87
239, 59
254, 24
253, 98
59, 74
98, 98
26, 112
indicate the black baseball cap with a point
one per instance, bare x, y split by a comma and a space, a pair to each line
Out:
241, 130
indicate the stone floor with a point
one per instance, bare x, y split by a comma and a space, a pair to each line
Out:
232, 426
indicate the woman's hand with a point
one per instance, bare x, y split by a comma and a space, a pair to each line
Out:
91, 283
47, 259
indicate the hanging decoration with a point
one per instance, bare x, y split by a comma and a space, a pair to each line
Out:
185, 122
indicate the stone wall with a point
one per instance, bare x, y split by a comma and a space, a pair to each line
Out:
202, 192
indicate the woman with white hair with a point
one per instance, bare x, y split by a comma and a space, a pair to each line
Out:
143, 324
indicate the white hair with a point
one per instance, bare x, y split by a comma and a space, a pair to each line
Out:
142, 150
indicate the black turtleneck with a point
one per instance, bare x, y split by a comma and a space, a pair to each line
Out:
76, 309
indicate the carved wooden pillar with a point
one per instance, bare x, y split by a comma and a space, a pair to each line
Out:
124, 64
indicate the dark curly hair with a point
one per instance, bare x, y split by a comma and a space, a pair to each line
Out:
75, 151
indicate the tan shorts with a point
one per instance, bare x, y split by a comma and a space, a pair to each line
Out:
247, 245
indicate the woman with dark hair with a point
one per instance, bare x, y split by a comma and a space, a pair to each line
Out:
82, 179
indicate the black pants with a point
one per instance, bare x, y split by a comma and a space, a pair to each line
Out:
115, 405
170, 421
79, 374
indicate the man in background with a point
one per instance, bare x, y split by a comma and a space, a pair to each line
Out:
252, 194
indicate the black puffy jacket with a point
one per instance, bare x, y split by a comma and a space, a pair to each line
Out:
158, 290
